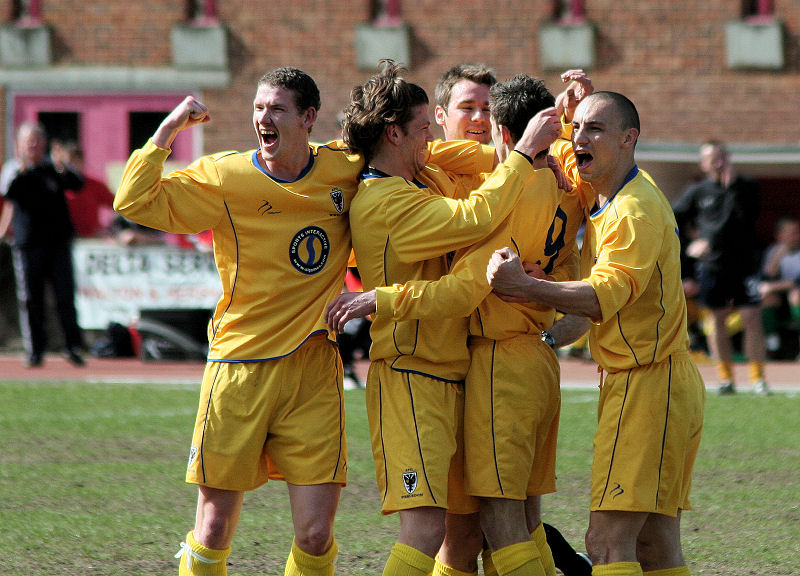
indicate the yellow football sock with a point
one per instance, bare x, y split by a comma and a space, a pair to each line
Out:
197, 560
679, 571
488, 564
302, 564
540, 538
617, 569
725, 371
440, 569
756, 371
407, 561
520, 559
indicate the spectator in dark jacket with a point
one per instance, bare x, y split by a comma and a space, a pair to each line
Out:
722, 209
35, 187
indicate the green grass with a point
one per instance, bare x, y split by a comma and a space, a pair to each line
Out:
91, 483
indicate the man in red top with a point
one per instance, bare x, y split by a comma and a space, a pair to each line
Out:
90, 208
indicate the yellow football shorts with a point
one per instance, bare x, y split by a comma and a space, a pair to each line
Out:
414, 424
511, 414
458, 501
650, 422
282, 419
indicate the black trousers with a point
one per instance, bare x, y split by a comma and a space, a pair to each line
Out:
34, 268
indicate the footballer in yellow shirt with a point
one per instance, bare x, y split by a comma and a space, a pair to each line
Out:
404, 224
651, 403
271, 398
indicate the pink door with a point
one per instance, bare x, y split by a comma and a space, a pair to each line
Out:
108, 127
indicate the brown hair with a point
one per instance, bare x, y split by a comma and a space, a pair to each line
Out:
478, 73
385, 98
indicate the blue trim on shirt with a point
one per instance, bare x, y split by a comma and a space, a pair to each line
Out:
224, 361
305, 170
371, 172
375, 173
330, 147
631, 175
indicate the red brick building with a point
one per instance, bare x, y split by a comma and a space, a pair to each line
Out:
106, 72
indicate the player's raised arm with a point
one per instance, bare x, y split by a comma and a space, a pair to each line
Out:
188, 113
580, 86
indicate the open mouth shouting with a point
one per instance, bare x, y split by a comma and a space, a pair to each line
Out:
268, 138
583, 158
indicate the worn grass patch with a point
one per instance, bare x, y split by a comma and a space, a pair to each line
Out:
91, 483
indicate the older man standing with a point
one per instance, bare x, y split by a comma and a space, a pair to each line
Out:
43, 232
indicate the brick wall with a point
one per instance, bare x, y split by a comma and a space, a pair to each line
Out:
668, 57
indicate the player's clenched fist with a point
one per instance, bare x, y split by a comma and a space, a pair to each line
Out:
506, 275
188, 113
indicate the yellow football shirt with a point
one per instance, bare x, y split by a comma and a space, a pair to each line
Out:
280, 247
631, 257
403, 231
536, 229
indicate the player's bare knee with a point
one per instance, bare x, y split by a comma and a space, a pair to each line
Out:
597, 546
434, 533
658, 553
462, 556
214, 531
314, 539
473, 543
648, 553
610, 542
426, 538
465, 543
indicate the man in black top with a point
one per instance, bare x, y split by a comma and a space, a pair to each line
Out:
722, 211
43, 233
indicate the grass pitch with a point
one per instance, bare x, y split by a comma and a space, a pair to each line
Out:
91, 483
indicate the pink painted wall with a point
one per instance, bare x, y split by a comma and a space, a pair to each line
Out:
104, 123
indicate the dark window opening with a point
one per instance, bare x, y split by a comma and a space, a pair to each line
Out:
385, 12
757, 9
26, 12
202, 12
569, 11
141, 126
61, 126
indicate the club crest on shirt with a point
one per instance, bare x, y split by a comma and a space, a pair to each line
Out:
410, 481
338, 199
309, 250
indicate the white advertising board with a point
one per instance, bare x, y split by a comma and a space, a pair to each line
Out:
114, 282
